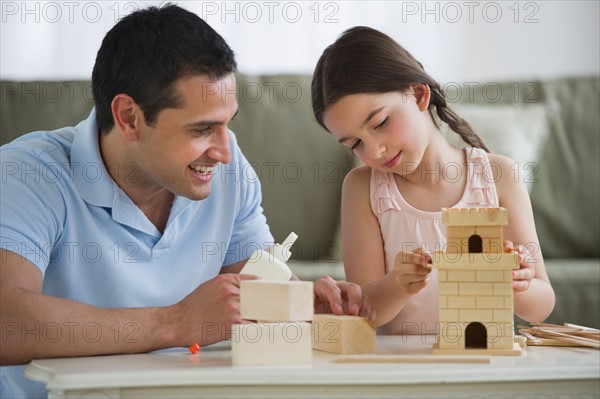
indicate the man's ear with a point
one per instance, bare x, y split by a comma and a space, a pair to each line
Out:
127, 116
422, 93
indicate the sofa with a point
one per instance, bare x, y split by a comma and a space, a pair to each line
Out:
551, 128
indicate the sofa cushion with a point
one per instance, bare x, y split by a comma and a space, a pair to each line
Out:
301, 166
566, 199
516, 131
30, 106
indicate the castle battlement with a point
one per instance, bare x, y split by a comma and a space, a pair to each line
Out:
474, 217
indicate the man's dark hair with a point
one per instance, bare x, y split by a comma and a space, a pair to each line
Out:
146, 52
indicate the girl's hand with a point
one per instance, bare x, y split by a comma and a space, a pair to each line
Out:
411, 270
522, 277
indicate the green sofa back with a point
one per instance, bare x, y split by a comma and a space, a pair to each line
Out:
302, 167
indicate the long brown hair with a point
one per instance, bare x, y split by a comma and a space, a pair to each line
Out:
364, 60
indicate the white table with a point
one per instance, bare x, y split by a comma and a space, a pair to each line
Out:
539, 372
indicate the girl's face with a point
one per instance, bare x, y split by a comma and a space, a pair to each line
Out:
388, 131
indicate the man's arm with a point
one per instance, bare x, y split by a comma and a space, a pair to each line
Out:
35, 325
234, 268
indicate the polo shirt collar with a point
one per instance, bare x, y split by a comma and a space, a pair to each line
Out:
98, 188
90, 176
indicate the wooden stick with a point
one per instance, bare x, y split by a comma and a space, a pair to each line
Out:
552, 342
582, 327
567, 327
411, 359
566, 330
530, 338
570, 338
556, 335
590, 335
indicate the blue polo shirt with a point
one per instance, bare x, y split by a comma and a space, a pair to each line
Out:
62, 211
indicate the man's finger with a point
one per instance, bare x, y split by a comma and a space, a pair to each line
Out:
327, 290
353, 295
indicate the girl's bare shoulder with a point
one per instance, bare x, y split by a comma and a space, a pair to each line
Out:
358, 176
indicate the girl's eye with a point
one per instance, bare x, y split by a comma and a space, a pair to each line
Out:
382, 123
356, 143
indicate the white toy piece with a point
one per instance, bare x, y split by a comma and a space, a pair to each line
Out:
271, 266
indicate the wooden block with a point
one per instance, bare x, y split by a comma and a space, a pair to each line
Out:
450, 330
276, 300
442, 275
480, 261
488, 231
458, 234
467, 316
448, 315
505, 342
261, 344
514, 351
493, 276
493, 245
475, 288
450, 343
454, 245
503, 315
448, 288
491, 302
343, 334
503, 288
457, 302
461, 275
474, 216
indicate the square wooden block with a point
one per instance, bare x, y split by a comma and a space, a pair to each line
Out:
276, 300
343, 334
262, 344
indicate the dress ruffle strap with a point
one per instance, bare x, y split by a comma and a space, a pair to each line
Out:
482, 180
384, 200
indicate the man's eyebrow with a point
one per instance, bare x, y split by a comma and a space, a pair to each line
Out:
208, 122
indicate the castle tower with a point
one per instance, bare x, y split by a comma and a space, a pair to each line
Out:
475, 284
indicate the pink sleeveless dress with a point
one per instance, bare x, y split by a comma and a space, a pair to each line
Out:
404, 227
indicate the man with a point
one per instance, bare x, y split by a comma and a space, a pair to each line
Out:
103, 234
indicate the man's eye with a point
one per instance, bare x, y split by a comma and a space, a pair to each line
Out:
204, 131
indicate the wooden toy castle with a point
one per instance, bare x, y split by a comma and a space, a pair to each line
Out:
475, 284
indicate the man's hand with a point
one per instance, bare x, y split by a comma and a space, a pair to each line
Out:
341, 297
207, 314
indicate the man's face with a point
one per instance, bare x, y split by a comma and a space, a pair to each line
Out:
180, 152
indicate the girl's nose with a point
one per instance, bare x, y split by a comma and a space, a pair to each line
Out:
376, 150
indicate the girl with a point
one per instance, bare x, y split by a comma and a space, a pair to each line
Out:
377, 100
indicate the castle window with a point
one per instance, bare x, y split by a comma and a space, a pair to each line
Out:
475, 244
475, 336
